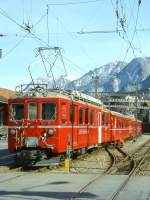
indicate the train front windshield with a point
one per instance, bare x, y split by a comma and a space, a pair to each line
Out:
32, 111
17, 111
48, 111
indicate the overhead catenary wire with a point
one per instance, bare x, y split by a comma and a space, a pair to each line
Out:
74, 39
39, 39
121, 20
117, 14
15, 46
47, 23
136, 32
95, 32
94, 14
34, 36
136, 22
2, 12
74, 3
45, 43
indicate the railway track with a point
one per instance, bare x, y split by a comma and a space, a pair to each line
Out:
101, 175
96, 162
130, 165
138, 159
7, 160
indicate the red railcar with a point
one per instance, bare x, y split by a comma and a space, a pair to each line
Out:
45, 123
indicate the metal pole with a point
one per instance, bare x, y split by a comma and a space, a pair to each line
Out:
0, 53
96, 78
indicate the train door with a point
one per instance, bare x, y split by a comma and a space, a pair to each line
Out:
87, 125
99, 127
108, 127
106, 136
32, 117
74, 124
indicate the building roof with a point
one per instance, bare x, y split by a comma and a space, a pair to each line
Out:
5, 94
148, 104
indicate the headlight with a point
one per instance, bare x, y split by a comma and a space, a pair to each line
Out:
51, 132
12, 132
44, 134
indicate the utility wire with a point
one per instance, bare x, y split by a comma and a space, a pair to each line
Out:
105, 31
47, 23
122, 23
2, 12
74, 3
135, 29
16, 45
71, 62
136, 22
22, 27
74, 39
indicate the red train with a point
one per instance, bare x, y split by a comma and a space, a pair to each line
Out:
44, 123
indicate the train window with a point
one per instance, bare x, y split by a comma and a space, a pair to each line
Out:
92, 117
71, 113
81, 111
17, 111
106, 118
32, 111
103, 118
64, 113
48, 111
86, 116
117, 123
121, 123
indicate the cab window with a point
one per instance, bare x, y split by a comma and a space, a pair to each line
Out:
63, 112
72, 113
91, 116
103, 118
17, 111
81, 111
48, 111
32, 111
86, 116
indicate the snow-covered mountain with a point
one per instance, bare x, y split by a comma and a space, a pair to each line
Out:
146, 83
112, 77
115, 77
52, 82
103, 73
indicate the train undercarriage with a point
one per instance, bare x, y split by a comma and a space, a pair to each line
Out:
36, 157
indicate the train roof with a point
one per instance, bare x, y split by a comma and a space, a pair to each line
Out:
122, 115
41, 91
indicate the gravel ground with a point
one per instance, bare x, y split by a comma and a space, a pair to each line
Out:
131, 146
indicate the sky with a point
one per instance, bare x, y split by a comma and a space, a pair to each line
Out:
65, 19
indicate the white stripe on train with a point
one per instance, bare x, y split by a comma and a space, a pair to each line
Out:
59, 126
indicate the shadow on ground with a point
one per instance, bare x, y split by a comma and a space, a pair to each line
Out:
55, 195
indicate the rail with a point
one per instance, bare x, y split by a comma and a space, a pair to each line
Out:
135, 168
112, 164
